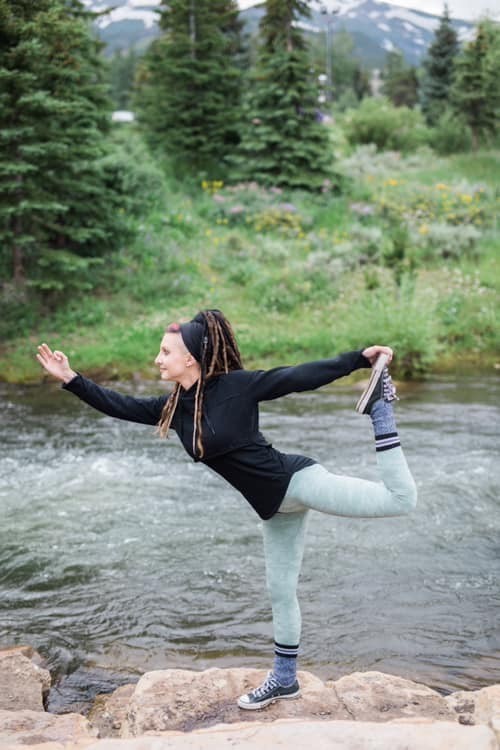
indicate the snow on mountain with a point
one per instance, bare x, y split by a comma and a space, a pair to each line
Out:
375, 26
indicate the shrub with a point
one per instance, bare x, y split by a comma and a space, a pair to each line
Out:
451, 134
440, 240
388, 127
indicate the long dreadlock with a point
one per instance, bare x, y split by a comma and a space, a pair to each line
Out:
219, 354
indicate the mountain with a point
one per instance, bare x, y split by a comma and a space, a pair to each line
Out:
376, 27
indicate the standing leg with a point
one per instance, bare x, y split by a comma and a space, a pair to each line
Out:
284, 535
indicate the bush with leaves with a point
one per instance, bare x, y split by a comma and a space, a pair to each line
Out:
451, 134
387, 126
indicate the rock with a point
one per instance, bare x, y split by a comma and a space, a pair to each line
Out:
36, 727
24, 683
320, 735
374, 696
182, 699
495, 725
476, 706
109, 711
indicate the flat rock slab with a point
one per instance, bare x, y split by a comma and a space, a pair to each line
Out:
23, 681
320, 735
182, 699
21, 728
375, 696
476, 706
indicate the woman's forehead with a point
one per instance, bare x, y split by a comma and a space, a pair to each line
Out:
172, 341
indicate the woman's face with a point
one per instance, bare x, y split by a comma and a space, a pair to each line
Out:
174, 360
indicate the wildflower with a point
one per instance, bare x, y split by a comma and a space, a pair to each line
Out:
363, 209
236, 210
423, 229
441, 186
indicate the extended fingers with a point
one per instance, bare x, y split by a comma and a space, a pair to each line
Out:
45, 350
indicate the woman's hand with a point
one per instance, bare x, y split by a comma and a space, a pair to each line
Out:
372, 352
56, 363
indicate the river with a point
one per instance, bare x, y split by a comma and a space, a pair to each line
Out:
119, 555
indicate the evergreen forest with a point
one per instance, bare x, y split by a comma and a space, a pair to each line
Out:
321, 204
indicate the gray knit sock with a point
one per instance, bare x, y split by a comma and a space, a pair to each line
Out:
285, 667
384, 425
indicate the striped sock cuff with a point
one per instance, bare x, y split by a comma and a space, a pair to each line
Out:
289, 652
387, 441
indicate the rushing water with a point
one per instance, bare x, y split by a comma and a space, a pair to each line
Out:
119, 555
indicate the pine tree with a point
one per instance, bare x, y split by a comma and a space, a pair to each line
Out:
188, 88
438, 70
57, 214
400, 82
122, 70
476, 90
283, 142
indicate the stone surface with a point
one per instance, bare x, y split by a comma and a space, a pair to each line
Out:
495, 725
476, 706
183, 699
375, 696
35, 727
109, 712
24, 683
320, 735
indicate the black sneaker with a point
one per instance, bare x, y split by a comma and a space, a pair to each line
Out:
267, 693
379, 386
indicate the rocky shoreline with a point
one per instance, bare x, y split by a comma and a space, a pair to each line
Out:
179, 709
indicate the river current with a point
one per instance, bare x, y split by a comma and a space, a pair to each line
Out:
119, 555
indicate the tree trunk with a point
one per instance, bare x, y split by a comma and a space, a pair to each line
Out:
18, 266
475, 138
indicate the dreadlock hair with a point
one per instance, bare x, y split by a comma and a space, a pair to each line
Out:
219, 354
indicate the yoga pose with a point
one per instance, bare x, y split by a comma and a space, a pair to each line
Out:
213, 408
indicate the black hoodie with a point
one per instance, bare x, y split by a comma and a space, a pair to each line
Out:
234, 447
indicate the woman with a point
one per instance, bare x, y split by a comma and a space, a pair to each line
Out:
214, 410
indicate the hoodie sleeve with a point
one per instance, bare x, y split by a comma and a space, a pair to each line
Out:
266, 385
142, 410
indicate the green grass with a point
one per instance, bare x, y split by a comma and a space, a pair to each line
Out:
289, 293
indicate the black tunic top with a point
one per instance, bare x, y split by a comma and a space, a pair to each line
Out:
234, 447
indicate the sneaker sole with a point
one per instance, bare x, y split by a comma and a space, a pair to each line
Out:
377, 368
258, 706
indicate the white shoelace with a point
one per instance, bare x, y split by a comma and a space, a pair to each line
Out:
388, 387
270, 683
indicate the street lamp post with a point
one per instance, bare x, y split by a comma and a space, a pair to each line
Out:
328, 48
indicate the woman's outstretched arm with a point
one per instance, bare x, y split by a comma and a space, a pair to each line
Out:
269, 384
142, 410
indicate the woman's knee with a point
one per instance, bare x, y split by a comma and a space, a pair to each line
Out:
282, 593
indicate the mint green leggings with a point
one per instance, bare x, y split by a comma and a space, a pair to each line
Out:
315, 488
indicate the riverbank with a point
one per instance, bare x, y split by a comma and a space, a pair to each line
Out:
184, 709
407, 255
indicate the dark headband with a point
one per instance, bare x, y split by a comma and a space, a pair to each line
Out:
193, 334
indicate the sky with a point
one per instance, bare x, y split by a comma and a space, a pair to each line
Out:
470, 10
